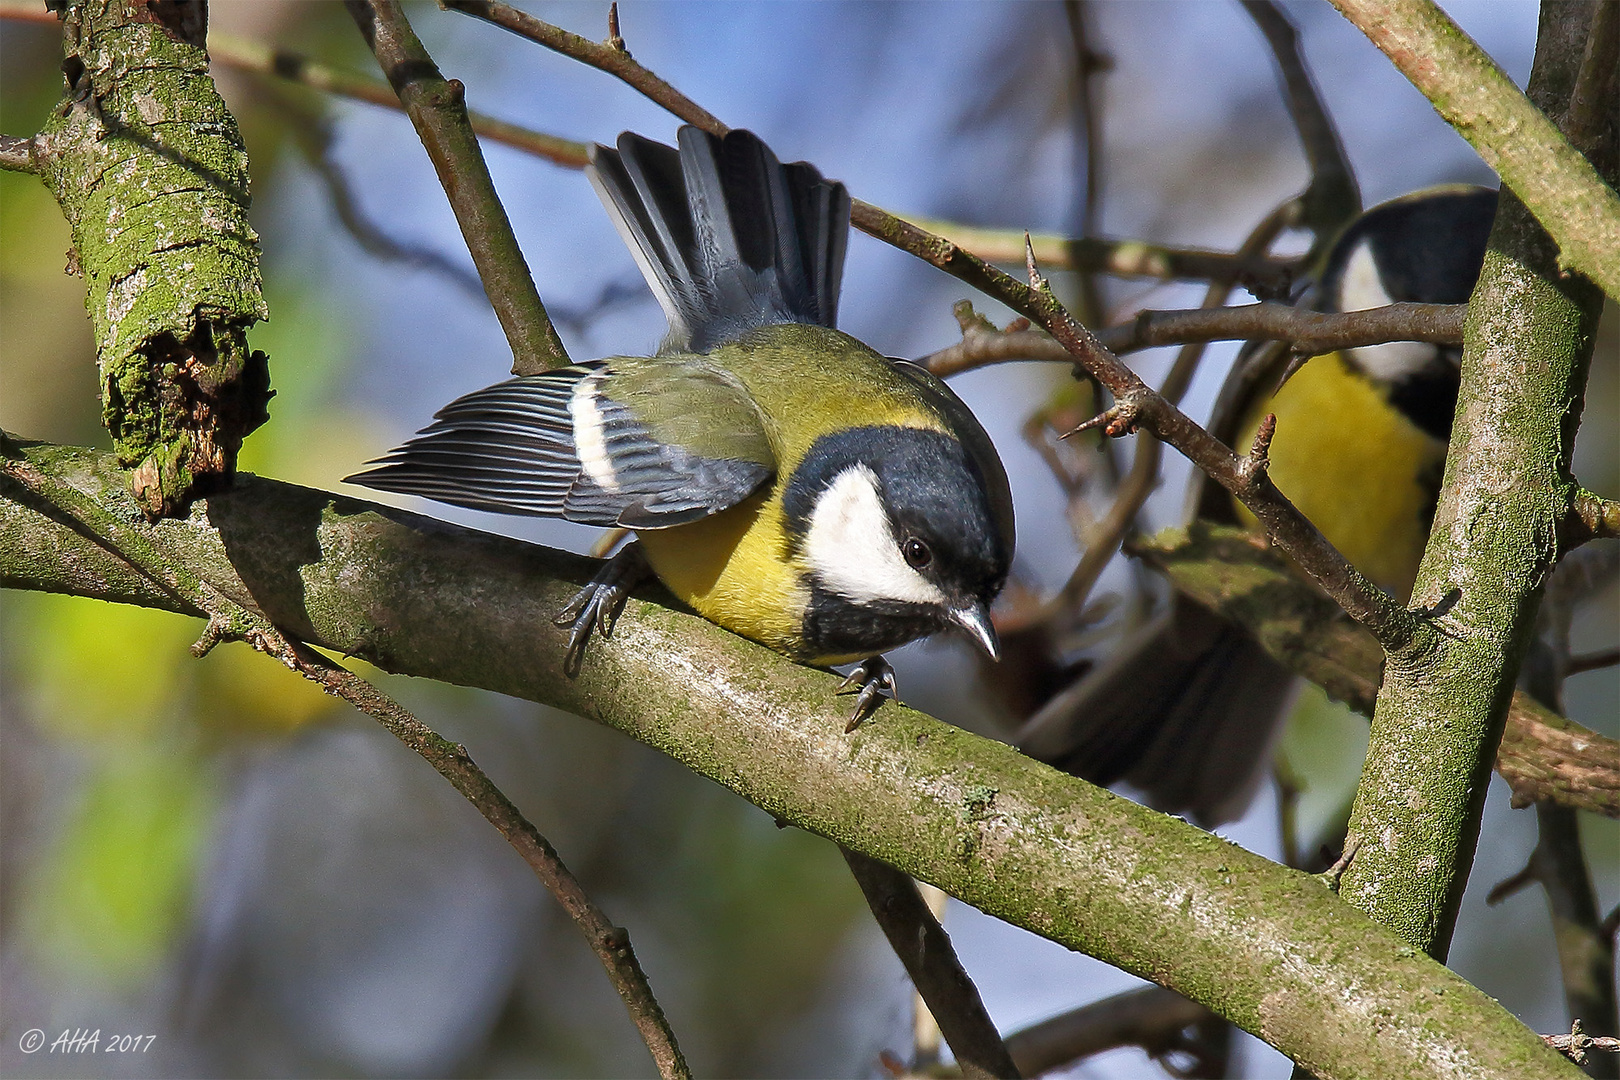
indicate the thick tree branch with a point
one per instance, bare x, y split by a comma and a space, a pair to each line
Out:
1527, 344
925, 950
438, 110
149, 169
1514, 137
146, 553
1265, 946
1543, 756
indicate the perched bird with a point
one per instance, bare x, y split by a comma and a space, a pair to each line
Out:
782, 478
1187, 709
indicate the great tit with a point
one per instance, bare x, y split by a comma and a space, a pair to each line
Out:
782, 478
1187, 709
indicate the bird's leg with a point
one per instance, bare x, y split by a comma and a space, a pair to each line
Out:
870, 682
598, 604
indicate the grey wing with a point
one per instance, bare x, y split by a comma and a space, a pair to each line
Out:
555, 445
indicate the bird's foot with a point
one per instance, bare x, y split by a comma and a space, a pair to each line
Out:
870, 682
598, 604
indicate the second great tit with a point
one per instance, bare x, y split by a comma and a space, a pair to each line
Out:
783, 479
1187, 709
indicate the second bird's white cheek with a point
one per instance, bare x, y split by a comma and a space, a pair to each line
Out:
852, 547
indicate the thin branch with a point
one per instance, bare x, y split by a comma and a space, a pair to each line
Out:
1137, 405
1308, 333
925, 950
1086, 120
1593, 518
1558, 185
17, 153
438, 111
145, 551
1591, 102
1332, 198
1155, 1019
1143, 477
1129, 258
975, 817
313, 135
1575, 1044
1121, 258
610, 943
1593, 661
615, 60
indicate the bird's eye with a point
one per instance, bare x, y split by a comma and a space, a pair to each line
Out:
916, 553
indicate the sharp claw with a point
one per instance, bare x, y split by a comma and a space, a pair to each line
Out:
870, 681
598, 605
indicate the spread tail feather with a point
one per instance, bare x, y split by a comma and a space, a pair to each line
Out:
728, 237
1187, 713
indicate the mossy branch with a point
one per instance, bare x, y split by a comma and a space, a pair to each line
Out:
1270, 948
1543, 756
1503, 505
149, 169
1559, 186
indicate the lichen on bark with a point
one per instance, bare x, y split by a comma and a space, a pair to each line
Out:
150, 171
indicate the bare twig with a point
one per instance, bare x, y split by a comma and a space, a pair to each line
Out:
1086, 119
1121, 258
1143, 477
1136, 404
611, 58
1590, 103
439, 113
1592, 661
1126, 257
1332, 198
1155, 1019
313, 135
232, 620
1575, 1044
1593, 518
1558, 185
1558, 863
16, 153
938, 975
610, 943
1308, 333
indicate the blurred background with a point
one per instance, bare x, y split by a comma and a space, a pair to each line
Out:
214, 853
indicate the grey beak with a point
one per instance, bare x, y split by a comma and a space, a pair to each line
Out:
976, 621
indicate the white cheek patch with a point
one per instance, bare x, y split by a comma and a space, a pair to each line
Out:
588, 441
852, 548
1362, 288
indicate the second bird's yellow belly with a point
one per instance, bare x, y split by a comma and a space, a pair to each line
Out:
1363, 473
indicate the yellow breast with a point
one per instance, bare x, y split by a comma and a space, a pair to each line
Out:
733, 568
1363, 473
